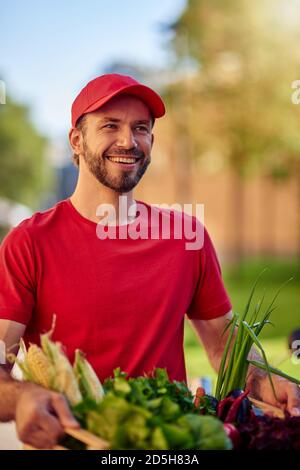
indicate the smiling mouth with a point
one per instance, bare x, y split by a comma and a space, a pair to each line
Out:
128, 160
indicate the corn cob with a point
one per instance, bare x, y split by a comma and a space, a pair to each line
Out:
21, 362
89, 383
64, 379
40, 369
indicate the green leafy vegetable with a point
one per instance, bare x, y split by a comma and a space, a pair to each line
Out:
152, 413
243, 334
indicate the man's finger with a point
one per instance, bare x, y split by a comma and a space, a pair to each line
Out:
293, 404
52, 425
45, 433
62, 410
41, 439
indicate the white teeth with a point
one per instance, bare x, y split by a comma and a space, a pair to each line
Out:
122, 160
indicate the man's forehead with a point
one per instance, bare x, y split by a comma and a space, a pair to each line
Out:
124, 105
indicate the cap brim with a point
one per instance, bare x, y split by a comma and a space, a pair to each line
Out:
146, 94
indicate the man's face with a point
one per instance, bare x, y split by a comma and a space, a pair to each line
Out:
117, 142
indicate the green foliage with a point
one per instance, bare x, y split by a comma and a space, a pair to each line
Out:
152, 413
237, 279
197, 362
278, 269
284, 316
239, 105
152, 392
24, 170
247, 325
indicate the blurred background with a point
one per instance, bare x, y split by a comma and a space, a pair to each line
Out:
230, 138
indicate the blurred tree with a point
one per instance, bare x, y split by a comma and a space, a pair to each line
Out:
126, 68
25, 172
240, 99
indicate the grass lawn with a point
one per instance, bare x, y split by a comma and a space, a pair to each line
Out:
276, 350
239, 280
285, 318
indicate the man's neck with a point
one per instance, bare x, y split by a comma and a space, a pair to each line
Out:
88, 197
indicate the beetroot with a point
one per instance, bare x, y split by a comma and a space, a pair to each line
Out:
233, 434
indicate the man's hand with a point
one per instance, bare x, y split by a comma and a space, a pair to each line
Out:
288, 393
41, 416
213, 339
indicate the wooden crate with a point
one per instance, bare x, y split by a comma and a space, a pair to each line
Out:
85, 437
268, 409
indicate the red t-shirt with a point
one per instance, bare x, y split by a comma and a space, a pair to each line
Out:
121, 301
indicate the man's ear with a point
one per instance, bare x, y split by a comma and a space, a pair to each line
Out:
152, 140
76, 140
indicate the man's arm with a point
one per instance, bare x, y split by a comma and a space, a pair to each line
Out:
40, 414
211, 335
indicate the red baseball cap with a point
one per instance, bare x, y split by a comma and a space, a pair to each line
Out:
100, 90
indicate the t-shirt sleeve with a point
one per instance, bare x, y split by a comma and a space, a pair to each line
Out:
17, 285
210, 299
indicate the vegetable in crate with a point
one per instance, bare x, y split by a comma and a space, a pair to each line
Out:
243, 333
236, 407
233, 434
268, 433
89, 384
64, 381
148, 391
205, 404
50, 368
38, 368
129, 426
151, 412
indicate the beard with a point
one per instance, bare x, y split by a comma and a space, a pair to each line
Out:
125, 181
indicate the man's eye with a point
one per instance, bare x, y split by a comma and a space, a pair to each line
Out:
110, 126
142, 128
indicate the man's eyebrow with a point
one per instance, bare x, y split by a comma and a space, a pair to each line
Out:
108, 119
143, 121
113, 119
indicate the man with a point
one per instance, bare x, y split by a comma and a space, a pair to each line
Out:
122, 300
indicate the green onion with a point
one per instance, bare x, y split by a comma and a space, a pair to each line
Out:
234, 365
273, 370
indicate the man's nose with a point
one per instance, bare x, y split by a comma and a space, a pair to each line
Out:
126, 139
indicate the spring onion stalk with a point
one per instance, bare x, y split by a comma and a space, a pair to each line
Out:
273, 370
243, 334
